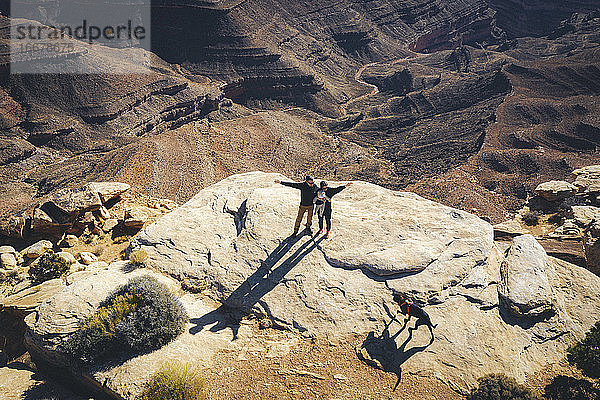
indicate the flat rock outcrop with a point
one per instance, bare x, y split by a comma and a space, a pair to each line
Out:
525, 285
230, 240
231, 237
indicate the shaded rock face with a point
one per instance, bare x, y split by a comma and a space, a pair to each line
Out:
536, 18
299, 56
231, 236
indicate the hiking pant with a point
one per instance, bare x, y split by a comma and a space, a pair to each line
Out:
327, 218
301, 211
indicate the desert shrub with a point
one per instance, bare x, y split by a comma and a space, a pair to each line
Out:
138, 257
10, 277
586, 353
138, 317
567, 388
175, 381
48, 266
531, 218
500, 387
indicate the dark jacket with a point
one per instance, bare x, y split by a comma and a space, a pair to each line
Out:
330, 192
307, 193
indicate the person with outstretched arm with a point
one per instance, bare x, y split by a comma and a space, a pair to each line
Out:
308, 190
323, 204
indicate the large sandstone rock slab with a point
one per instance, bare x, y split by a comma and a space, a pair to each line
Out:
60, 315
587, 179
555, 190
232, 235
231, 240
525, 285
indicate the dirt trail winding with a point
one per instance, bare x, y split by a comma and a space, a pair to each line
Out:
358, 78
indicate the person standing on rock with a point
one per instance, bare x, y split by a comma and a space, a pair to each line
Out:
323, 204
308, 190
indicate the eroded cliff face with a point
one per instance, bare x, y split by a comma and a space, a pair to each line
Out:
538, 17
303, 52
345, 90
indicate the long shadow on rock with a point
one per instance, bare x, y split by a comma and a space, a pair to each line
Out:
383, 352
250, 292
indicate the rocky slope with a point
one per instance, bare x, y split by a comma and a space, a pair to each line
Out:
227, 244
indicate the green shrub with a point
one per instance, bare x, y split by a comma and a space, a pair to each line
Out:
531, 218
175, 381
586, 353
139, 317
567, 388
138, 257
48, 266
500, 387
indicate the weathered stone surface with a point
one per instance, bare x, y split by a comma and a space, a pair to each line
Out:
75, 201
412, 235
37, 249
591, 247
61, 315
555, 190
510, 228
108, 190
7, 249
69, 241
584, 215
8, 261
29, 299
87, 258
587, 179
102, 213
230, 236
109, 224
525, 286
135, 217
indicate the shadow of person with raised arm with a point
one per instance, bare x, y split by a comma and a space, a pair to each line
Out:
241, 301
383, 352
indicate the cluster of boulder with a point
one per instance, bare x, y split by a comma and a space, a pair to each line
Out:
14, 265
565, 216
67, 210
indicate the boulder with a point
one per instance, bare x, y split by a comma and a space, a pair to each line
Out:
67, 257
584, 215
44, 224
8, 261
7, 249
110, 224
37, 249
29, 299
61, 314
73, 202
135, 217
510, 228
555, 190
102, 214
525, 286
591, 247
587, 179
87, 258
108, 191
